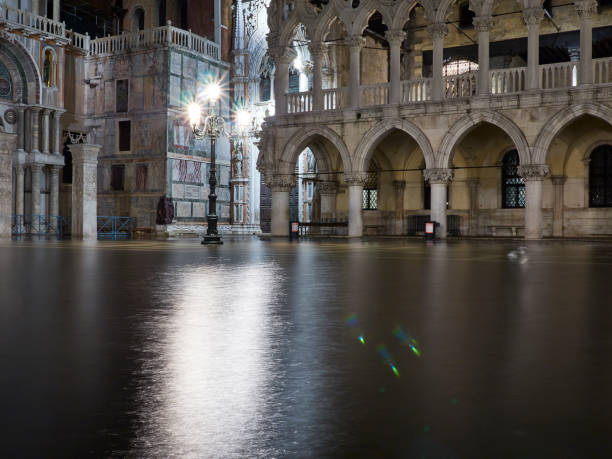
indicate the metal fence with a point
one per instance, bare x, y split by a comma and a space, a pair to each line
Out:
113, 227
40, 225
323, 227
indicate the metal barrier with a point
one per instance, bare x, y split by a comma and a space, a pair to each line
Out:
323, 227
113, 227
40, 225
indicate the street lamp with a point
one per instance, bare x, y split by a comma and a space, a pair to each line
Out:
212, 126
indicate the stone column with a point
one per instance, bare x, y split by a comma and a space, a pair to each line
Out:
355, 182
280, 187
483, 24
474, 185
56, 10
395, 39
437, 31
328, 192
20, 128
34, 122
399, 188
355, 44
7, 147
45, 130
35, 170
586, 9
282, 59
57, 135
84, 190
54, 188
533, 175
317, 51
438, 181
19, 190
532, 18
558, 181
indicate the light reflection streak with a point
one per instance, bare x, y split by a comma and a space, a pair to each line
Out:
212, 350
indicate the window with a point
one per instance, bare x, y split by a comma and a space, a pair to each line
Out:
139, 19
513, 187
370, 189
121, 96
125, 132
238, 203
458, 67
465, 16
600, 177
294, 80
309, 190
117, 177
141, 177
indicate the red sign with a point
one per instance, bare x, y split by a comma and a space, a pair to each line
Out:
429, 228
295, 227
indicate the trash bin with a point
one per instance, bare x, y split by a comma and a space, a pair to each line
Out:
430, 230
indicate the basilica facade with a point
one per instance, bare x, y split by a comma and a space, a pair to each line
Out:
489, 118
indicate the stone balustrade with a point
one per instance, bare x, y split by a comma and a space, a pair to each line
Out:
28, 23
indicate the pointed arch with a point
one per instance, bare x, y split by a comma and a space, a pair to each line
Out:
561, 119
301, 139
360, 22
402, 15
468, 122
371, 139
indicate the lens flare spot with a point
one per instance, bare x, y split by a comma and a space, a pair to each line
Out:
361, 339
351, 320
395, 370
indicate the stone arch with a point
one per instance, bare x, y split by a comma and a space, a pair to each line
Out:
442, 11
561, 119
366, 146
402, 15
23, 69
360, 21
468, 122
300, 141
323, 24
288, 30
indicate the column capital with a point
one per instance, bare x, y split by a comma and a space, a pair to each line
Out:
558, 180
47, 111
84, 152
535, 172
585, 8
317, 49
533, 16
327, 188
437, 29
355, 41
395, 36
355, 178
483, 23
281, 183
54, 169
307, 67
438, 176
281, 54
36, 167
35, 109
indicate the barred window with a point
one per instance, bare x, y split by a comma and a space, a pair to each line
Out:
600, 177
370, 189
513, 187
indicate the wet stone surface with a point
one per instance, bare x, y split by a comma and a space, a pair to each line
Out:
260, 349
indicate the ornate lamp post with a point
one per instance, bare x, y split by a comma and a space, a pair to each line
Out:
212, 126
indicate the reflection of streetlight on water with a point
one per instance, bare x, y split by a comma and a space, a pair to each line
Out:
213, 126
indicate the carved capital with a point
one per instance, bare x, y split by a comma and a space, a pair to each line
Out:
281, 182
483, 23
437, 30
442, 176
586, 8
317, 49
327, 188
281, 55
533, 171
533, 16
395, 36
558, 180
355, 41
355, 178
307, 67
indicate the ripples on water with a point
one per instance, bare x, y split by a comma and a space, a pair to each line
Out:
306, 350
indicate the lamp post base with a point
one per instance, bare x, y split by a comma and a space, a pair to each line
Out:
211, 239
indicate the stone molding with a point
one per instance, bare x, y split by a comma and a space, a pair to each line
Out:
437, 29
318, 49
327, 188
558, 180
483, 23
533, 16
438, 176
530, 172
355, 41
586, 8
282, 183
355, 178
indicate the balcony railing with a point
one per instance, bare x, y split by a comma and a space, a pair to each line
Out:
30, 23
501, 81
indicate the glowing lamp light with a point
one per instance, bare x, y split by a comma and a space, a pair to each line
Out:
243, 118
195, 112
213, 92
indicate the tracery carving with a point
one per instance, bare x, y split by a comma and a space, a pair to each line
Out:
586, 8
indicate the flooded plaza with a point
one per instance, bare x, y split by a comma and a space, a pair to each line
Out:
313, 349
